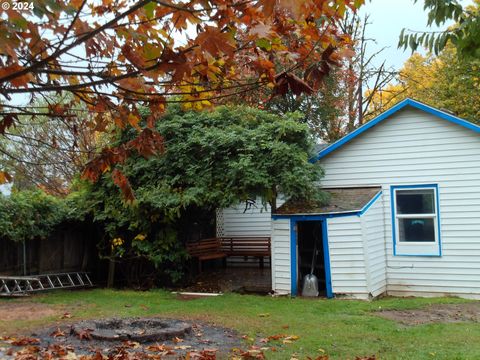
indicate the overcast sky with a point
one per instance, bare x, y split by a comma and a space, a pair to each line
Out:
387, 19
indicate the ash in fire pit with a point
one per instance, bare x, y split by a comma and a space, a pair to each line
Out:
141, 330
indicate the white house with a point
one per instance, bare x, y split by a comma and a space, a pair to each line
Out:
404, 213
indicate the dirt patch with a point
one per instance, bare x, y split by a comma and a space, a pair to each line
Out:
185, 297
439, 313
12, 311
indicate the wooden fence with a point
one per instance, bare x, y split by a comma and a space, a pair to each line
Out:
72, 248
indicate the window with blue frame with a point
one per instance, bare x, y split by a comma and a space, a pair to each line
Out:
415, 220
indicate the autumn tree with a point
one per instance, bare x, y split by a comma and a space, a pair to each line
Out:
341, 101
447, 76
443, 81
114, 56
323, 110
49, 152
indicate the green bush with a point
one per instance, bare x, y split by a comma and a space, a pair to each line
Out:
27, 215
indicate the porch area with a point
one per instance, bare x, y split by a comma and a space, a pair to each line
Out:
233, 278
231, 264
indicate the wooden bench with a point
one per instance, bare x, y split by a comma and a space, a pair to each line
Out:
206, 249
255, 246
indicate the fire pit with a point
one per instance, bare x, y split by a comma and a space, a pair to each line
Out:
136, 329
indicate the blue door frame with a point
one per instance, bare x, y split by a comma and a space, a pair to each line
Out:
293, 252
326, 253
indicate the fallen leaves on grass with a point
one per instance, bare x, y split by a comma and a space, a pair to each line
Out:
58, 333
66, 315
97, 356
130, 344
253, 353
177, 340
158, 348
162, 350
122, 352
290, 339
24, 341
248, 338
58, 350
286, 339
53, 351
182, 347
206, 354
30, 349
85, 334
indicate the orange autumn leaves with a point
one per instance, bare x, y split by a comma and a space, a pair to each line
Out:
113, 57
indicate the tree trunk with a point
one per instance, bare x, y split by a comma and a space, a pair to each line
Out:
360, 102
111, 273
351, 99
273, 202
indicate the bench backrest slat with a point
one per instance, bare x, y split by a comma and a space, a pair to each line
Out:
230, 245
246, 244
204, 246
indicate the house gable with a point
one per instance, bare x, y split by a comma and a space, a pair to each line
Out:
387, 115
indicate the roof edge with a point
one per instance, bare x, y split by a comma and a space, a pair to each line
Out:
402, 104
358, 212
370, 203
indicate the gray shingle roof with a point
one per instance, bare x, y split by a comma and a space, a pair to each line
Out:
340, 200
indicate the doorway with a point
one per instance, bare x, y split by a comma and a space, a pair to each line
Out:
311, 254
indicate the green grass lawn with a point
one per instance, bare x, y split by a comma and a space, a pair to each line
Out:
342, 329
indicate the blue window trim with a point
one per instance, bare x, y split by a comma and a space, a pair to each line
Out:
293, 254
407, 102
394, 223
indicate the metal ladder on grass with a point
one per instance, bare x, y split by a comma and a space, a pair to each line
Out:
22, 285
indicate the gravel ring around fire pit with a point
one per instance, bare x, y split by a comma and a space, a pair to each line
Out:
135, 329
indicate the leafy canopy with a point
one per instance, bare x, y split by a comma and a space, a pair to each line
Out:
28, 215
113, 56
464, 35
443, 81
217, 158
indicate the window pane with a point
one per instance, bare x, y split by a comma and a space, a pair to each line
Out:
416, 229
415, 201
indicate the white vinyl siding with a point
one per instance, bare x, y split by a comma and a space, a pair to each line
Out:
254, 221
374, 242
281, 269
414, 147
236, 221
347, 260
